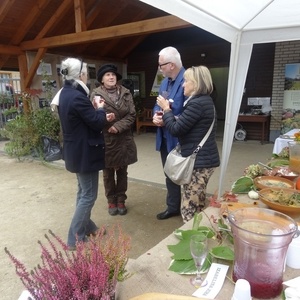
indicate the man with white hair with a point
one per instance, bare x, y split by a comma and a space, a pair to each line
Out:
170, 65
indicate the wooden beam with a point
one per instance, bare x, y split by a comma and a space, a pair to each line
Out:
10, 50
35, 64
57, 16
5, 7
22, 60
79, 10
123, 30
35, 12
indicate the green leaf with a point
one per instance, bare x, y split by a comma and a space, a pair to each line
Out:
197, 220
183, 266
178, 233
225, 231
278, 162
186, 234
207, 263
208, 232
242, 185
181, 251
222, 252
188, 266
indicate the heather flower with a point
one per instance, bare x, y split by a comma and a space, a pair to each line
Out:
89, 273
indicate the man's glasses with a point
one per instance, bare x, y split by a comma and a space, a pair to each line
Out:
161, 65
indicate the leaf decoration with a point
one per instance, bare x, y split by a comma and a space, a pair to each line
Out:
208, 232
182, 261
186, 234
278, 162
242, 185
197, 220
207, 263
181, 251
222, 252
183, 266
188, 266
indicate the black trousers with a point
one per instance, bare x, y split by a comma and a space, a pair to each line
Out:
115, 184
173, 199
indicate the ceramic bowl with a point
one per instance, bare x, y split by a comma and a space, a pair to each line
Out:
286, 173
262, 182
271, 196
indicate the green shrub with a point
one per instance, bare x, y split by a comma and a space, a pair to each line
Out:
26, 130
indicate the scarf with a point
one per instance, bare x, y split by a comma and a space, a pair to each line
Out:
55, 101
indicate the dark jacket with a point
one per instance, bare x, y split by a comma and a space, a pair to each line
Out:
177, 95
120, 148
82, 125
191, 127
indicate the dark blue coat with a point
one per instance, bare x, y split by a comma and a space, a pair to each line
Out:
191, 127
83, 142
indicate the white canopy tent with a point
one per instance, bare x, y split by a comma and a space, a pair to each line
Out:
242, 23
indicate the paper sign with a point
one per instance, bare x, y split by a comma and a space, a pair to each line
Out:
215, 279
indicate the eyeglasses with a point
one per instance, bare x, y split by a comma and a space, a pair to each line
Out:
161, 65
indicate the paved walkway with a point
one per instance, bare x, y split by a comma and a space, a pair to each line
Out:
148, 169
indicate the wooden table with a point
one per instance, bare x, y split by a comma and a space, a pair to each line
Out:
150, 272
263, 119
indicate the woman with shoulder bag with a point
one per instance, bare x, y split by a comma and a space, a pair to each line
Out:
190, 128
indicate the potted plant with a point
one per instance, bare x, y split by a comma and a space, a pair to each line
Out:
89, 273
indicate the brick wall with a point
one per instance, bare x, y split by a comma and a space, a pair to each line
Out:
285, 53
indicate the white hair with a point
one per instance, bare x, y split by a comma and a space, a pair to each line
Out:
71, 68
171, 54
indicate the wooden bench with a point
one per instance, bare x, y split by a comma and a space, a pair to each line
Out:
144, 119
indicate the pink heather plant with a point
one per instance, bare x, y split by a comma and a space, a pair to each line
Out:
89, 273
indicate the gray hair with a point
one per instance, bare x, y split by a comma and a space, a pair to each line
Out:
171, 54
71, 68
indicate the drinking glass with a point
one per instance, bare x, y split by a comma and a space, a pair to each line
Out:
165, 94
198, 246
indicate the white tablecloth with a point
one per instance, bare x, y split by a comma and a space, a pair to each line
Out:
283, 140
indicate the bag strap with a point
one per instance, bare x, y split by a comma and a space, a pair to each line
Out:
206, 136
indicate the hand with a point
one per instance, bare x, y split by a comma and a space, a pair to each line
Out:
98, 102
162, 102
110, 117
157, 120
113, 129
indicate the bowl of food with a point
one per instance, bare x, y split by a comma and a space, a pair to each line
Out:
286, 173
281, 199
262, 182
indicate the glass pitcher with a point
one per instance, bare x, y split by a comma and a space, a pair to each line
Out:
294, 152
261, 238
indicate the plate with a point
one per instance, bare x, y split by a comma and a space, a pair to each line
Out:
262, 182
269, 195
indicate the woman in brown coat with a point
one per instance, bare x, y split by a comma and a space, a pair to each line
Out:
120, 148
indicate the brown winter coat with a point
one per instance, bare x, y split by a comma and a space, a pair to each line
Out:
120, 148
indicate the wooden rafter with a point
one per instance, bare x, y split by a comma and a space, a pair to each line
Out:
35, 13
124, 30
57, 16
80, 23
40, 54
5, 7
